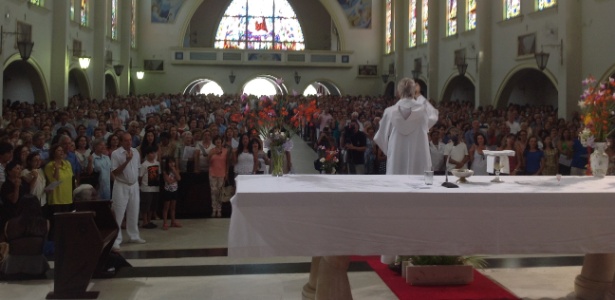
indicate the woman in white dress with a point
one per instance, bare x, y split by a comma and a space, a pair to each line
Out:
246, 161
477, 157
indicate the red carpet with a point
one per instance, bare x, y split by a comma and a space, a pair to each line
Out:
481, 289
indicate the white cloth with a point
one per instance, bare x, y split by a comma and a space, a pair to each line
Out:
404, 140
372, 214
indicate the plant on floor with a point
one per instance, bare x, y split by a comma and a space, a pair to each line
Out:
442, 260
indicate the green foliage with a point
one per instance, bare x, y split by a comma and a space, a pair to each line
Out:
441, 260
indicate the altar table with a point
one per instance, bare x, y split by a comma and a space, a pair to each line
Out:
332, 216
317, 215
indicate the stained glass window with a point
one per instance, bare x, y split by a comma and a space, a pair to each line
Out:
412, 23
133, 24
425, 18
37, 2
388, 34
85, 12
512, 8
542, 4
114, 19
471, 6
451, 17
72, 10
263, 24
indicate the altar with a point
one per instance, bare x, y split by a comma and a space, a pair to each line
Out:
340, 215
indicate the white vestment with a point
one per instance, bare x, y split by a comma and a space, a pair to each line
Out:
402, 135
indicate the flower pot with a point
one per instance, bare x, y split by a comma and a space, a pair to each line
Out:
439, 275
277, 161
599, 160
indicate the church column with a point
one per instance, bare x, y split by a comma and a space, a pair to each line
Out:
98, 52
434, 48
401, 37
569, 74
125, 13
58, 74
485, 57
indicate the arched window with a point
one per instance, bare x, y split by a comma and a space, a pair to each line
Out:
412, 23
114, 19
388, 33
425, 17
133, 24
263, 24
471, 7
542, 4
451, 17
512, 8
85, 13
261, 87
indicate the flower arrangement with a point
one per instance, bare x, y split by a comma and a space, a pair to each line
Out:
329, 159
598, 111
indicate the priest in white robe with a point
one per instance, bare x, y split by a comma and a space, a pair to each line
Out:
403, 132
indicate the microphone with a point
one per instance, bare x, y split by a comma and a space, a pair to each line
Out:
447, 184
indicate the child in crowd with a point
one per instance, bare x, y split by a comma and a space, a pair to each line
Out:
149, 179
170, 174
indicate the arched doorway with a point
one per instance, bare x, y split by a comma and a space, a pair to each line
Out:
22, 82
459, 89
203, 86
322, 87
77, 83
528, 86
110, 85
389, 90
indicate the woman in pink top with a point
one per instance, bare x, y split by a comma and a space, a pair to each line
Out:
218, 172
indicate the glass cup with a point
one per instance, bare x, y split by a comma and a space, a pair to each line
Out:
428, 177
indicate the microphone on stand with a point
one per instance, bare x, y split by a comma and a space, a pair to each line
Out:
447, 184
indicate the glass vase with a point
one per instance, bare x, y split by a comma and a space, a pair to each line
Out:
277, 161
599, 160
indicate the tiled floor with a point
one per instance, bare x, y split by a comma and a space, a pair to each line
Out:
190, 263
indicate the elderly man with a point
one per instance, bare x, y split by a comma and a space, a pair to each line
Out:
85, 192
125, 162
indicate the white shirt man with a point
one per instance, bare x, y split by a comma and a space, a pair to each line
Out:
436, 151
125, 163
456, 153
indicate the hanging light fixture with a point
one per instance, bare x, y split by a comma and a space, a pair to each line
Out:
140, 75
118, 69
24, 47
297, 78
232, 77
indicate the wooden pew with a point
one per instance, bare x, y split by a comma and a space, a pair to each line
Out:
83, 240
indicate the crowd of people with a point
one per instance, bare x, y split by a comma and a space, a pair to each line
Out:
139, 150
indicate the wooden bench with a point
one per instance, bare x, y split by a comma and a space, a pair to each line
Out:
83, 240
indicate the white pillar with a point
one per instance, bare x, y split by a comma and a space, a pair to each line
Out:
58, 73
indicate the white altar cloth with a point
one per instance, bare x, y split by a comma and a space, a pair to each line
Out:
320, 215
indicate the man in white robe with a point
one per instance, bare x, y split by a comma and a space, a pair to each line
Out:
402, 135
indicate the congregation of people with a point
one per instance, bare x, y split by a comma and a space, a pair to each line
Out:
146, 152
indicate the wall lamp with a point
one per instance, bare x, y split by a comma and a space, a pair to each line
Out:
297, 78
140, 74
24, 47
542, 58
462, 67
118, 69
416, 74
385, 78
232, 77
